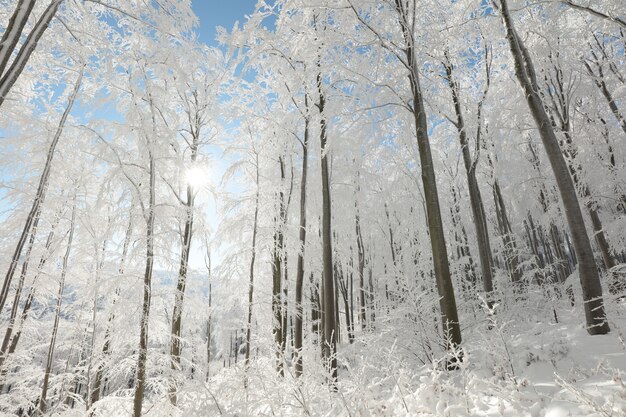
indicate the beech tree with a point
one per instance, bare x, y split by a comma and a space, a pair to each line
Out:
178, 242
589, 279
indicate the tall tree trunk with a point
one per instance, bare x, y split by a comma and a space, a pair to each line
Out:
361, 271
589, 279
10, 344
18, 291
600, 82
277, 266
12, 74
510, 247
252, 259
177, 313
209, 336
13, 31
301, 252
476, 202
344, 288
559, 113
106, 347
44, 390
40, 194
329, 345
447, 302
98, 268
140, 377
372, 302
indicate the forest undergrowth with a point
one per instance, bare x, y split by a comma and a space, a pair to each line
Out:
534, 359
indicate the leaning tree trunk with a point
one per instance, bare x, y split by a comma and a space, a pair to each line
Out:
447, 302
13, 31
589, 279
12, 74
40, 194
510, 247
18, 291
476, 202
44, 390
10, 344
559, 113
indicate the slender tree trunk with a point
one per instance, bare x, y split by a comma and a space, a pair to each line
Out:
44, 390
18, 291
372, 302
361, 272
277, 272
140, 378
40, 194
343, 287
447, 302
177, 316
285, 286
329, 345
600, 82
208, 338
589, 279
13, 31
476, 202
10, 344
559, 113
510, 247
251, 283
12, 74
98, 267
106, 347
301, 252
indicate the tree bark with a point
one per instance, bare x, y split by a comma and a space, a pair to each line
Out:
12, 74
176, 329
589, 279
301, 252
40, 194
140, 378
252, 259
329, 345
106, 347
13, 31
476, 202
44, 390
447, 302
361, 270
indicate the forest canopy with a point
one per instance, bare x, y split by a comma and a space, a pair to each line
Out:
344, 207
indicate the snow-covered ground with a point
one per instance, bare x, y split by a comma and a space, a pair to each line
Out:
526, 364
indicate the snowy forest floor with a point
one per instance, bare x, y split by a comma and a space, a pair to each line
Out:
527, 364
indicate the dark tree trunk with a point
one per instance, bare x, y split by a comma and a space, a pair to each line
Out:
447, 302
43, 404
140, 377
589, 279
251, 282
15, 70
301, 252
329, 345
40, 194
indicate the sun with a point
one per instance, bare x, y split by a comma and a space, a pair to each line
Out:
197, 177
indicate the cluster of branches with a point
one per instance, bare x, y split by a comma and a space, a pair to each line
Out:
387, 165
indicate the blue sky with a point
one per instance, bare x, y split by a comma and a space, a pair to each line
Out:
213, 13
